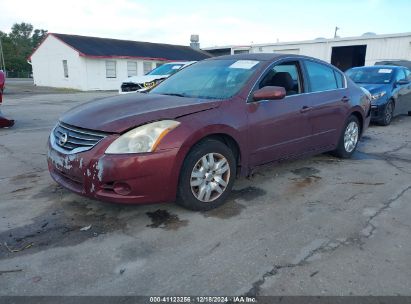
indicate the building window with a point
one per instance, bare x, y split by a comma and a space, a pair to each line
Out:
110, 69
65, 69
131, 68
147, 67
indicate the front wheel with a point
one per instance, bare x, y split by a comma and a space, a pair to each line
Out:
388, 114
349, 138
207, 176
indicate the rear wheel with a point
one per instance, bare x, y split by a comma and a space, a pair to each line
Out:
349, 138
207, 176
409, 113
388, 114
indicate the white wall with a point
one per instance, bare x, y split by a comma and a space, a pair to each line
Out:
377, 48
96, 72
47, 64
388, 48
84, 73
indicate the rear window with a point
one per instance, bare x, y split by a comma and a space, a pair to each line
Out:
339, 78
321, 77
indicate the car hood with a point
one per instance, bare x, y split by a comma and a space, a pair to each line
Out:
375, 88
121, 113
144, 79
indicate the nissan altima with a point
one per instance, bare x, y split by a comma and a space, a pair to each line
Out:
192, 135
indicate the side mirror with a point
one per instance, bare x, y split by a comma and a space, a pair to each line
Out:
402, 82
269, 93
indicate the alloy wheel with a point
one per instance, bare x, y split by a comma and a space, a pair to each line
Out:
388, 113
210, 177
351, 136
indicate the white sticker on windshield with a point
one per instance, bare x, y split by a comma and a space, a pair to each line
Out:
176, 67
243, 64
385, 71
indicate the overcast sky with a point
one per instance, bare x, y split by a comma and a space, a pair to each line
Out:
217, 22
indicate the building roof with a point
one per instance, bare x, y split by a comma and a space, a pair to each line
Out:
94, 47
366, 36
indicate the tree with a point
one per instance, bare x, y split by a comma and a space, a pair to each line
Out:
38, 36
19, 44
21, 31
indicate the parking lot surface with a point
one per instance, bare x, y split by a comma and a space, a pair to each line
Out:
317, 226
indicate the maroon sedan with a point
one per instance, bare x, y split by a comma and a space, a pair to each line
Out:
188, 139
4, 122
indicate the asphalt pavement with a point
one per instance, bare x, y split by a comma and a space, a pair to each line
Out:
317, 226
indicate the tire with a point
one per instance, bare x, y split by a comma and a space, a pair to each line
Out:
388, 114
350, 134
409, 113
197, 179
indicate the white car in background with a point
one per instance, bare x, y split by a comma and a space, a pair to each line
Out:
143, 83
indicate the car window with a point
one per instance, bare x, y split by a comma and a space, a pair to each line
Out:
408, 74
340, 79
284, 75
321, 77
375, 75
166, 69
400, 75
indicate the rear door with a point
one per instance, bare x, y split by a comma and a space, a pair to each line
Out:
329, 99
279, 129
403, 91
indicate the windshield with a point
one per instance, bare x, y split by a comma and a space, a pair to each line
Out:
371, 75
210, 79
166, 69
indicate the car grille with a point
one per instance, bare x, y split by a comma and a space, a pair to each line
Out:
71, 138
130, 87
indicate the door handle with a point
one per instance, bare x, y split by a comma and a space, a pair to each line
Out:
345, 99
305, 109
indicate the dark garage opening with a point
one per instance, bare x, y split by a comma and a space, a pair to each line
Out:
345, 57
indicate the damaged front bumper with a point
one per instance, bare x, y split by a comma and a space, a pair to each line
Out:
123, 178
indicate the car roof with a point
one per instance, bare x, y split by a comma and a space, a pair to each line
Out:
393, 67
180, 62
259, 56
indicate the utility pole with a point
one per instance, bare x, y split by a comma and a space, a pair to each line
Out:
2, 65
335, 32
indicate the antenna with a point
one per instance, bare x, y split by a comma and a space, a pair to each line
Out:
335, 32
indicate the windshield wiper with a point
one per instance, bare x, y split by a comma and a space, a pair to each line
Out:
174, 94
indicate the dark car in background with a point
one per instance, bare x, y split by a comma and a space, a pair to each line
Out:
390, 88
396, 62
189, 137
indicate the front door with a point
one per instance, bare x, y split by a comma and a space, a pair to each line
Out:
279, 129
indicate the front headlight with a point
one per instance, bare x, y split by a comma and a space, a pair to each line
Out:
378, 95
142, 139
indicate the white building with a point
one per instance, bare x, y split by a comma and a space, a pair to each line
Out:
342, 52
90, 63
